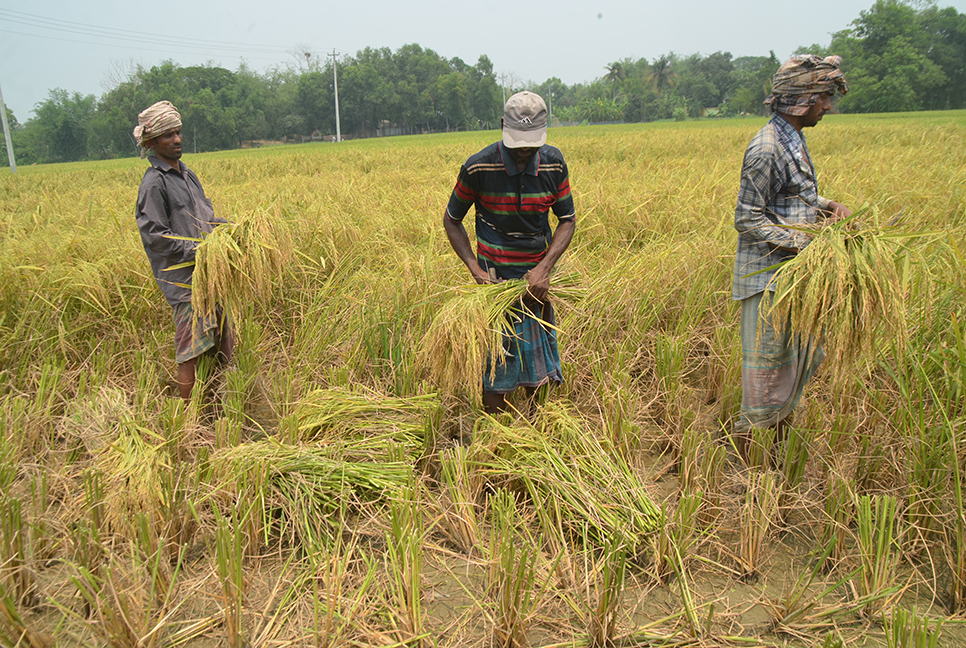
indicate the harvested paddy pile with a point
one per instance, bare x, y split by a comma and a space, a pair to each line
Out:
337, 412
571, 473
296, 491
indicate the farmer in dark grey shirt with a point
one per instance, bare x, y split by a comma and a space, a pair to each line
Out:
172, 204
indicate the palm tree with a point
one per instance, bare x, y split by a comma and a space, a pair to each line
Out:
661, 74
615, 72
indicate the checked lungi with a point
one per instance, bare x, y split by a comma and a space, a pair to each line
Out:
212, 330
531, 353
775, 367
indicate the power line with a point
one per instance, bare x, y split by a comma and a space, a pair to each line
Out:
128, 35
133, 39
168, 50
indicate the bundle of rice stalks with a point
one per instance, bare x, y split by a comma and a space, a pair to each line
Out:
134, 468
302, 487
238, 261
561, 459
337, 412
469, 329
845, 289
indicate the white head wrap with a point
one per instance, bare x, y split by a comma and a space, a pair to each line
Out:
159, 119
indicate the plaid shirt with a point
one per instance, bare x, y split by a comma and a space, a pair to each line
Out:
777, 188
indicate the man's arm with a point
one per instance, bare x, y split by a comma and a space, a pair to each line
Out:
755, 194
539, 275
460, 241
155, 227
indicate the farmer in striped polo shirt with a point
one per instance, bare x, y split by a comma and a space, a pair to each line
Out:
514, 184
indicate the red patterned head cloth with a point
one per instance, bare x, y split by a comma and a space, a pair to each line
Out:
159, 119
799, 81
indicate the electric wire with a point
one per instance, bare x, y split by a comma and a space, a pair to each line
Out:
140, 40
127, 35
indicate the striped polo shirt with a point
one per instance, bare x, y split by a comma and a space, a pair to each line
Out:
512, 206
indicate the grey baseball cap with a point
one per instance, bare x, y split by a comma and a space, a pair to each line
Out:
524, 121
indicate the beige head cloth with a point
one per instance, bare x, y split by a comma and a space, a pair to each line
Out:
156, 120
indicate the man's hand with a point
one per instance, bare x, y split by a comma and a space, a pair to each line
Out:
539, 275
539, 280
837, 211
479, 274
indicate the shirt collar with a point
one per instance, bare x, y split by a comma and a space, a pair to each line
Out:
511, 166
786, 130
793, 141
163, 166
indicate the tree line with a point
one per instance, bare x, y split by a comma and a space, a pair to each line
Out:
898, 56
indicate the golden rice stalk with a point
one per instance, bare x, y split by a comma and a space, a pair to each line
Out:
468, 331
560, 458
337, 411
756, 520
238, 261
299, 489
134, 466
844, 289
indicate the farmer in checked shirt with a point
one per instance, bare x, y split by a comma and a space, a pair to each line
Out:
515, 183
778, 189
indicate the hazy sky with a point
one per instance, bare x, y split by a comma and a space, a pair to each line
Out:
75, 44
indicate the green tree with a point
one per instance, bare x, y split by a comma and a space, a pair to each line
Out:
662, 76
280, 107
599, 110
692, 88
897, 80
557, 94
314, 103
718, 70
60, 128
752, 84
896, 58
452, 99
615, 74
244, 100
485, 97
946, 30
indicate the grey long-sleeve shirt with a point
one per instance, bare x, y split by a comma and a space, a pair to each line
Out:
172, 204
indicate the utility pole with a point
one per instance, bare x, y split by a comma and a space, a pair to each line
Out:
6, 135
335, 81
